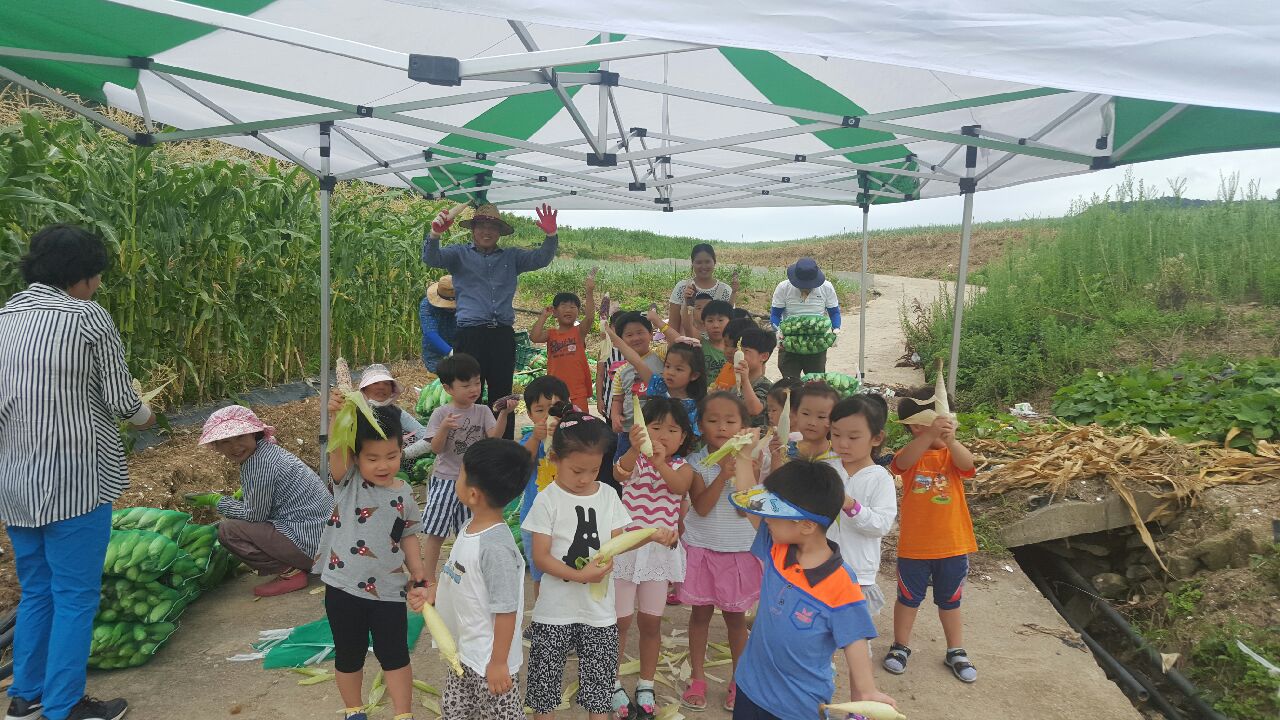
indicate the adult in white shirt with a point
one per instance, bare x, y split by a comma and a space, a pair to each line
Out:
702, 261
806, 291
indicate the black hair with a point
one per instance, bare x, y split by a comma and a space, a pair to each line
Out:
621, 322
63, 255
911, 403
717, 308
702, 296
258, 436
809, 485
812, 388
697, 388
458, 366
580, 432
657, 409
498, 468
547, 386
759, 339
731, 397
702, 248
736, 327
870, 406
613, 317
739, 312
782, 388
566, 297
388, 419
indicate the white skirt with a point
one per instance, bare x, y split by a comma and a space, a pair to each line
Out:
651, 562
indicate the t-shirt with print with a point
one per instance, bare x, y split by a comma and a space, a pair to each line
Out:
724, 529
567, 360
360, 547
827, 456
648, 499
804, 616
933, 519
794, 301
613, 366
658, 388
761, 387
544, 473
713, 358
483, 577
474, 424
627, 383
578, 525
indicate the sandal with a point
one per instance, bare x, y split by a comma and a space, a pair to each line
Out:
731, 698
621, 702
958, 661
896, 661
695, 696
644, 710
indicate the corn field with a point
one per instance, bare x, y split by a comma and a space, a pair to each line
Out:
215, 275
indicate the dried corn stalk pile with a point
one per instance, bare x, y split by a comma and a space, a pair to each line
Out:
1141, 461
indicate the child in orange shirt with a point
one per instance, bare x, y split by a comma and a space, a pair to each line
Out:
936, 534
567, 341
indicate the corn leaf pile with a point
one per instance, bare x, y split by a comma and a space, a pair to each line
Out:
213, 278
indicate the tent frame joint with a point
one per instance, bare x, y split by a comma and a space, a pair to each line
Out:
638, 132
637, 187
968, 185
328, 183
364, 111
602, 159
608, 79
142, 139
435, 69
1102, 162
851, 121
140, 62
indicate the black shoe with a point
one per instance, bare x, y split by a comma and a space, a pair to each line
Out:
20, 709
91, 708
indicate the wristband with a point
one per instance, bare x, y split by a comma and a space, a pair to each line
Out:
857, 508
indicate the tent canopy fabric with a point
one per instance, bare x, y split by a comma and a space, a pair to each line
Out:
718, 111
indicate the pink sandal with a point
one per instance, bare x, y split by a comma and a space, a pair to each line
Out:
732, 698
695, 696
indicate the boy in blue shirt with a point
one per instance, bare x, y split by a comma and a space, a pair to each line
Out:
810, 602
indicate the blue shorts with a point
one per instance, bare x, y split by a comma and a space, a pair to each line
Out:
526, 539
946, 575
624, 444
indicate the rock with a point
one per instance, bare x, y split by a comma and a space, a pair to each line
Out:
1181, 566
1139, 572
1134, 542
1245, 546
1216, 552
1151, 587
1094, 550
1111, 585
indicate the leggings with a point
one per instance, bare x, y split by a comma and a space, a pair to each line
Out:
650, 596
353, 619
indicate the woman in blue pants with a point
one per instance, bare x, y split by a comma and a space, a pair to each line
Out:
63, 387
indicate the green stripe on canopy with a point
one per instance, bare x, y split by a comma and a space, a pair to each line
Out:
1196, 129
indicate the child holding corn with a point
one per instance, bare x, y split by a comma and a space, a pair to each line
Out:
935, 531
567, 341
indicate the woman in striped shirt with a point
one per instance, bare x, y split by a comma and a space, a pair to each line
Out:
64, 386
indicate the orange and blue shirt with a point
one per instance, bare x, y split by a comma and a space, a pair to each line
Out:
933, 520
805, 615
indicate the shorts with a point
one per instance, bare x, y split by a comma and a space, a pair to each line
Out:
874, 598
744, 708
467, 696
526, 539
354, 620
946, 575
549, 645
649, 596
624, 444
444, 514
727, 580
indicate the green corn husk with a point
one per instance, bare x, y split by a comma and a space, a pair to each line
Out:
343, 433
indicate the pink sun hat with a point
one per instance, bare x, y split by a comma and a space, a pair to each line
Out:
232, 421
379, 373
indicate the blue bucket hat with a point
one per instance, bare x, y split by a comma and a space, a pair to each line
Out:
805, 274
759, 501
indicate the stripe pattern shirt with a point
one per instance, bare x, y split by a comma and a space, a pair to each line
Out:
280, 489
648, 499
64, 385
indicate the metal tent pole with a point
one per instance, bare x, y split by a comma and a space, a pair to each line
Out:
862, 289
327, 183
967, 187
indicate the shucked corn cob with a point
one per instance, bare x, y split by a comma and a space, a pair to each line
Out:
866, 708
343, 373
616, 546
444, 639
646, 444
784, 420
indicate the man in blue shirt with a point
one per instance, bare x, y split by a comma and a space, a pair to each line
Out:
484, 279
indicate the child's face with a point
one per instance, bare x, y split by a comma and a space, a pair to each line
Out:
698, 305
852, 440
721, 420
811, 417
677, 372
379, 461
567, 313
790, 532
775, 411
667, 433
236, 449
379, 391
755, 361
465, 393
470, 497
714, 326
918, 430
576, 473
539, 408
637, 337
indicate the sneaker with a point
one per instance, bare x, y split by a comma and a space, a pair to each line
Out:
20, 709
91, 708
282, 585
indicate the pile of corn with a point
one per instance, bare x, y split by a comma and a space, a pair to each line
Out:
157, 563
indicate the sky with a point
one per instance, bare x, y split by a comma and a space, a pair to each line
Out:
1050, 198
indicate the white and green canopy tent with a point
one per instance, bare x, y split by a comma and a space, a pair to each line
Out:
669, 105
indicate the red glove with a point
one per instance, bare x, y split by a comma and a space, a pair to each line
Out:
546, 219
442, 223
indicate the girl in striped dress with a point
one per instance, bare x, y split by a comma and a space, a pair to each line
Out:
653, 487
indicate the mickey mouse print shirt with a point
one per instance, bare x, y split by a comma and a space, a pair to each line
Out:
578, 526
360, 549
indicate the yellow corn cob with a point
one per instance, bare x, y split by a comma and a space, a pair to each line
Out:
940, 401
646, 444
343, 373
866, 708
616, 546
444, 640
735, 444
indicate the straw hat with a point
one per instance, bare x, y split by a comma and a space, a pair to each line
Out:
440, 293
489, 213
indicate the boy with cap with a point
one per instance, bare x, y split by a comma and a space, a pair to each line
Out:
935, 532
815, 605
